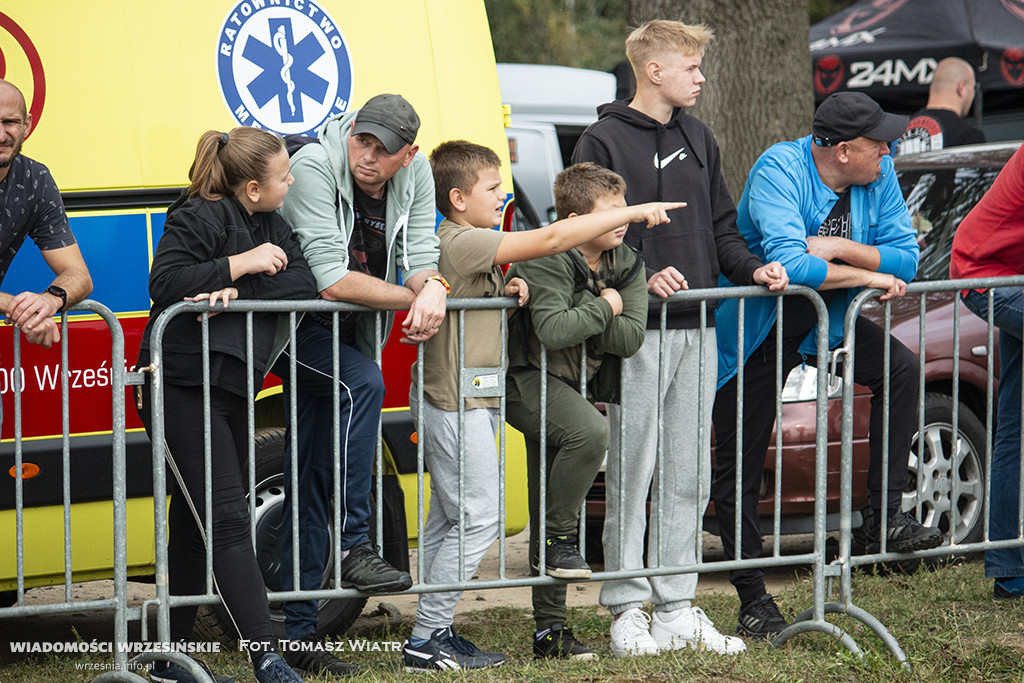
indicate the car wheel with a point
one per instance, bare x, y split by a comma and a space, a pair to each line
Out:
335, 615
943, 461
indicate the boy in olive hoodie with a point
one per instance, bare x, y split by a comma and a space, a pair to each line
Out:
589, 301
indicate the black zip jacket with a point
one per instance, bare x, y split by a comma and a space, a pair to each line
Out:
677, 161
192, 258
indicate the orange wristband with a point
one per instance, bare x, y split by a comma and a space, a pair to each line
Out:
444, 283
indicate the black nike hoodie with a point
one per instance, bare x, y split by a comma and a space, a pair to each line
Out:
677, 161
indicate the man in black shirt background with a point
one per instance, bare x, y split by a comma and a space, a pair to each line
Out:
941, 124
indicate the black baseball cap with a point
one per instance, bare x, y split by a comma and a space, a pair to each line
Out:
390, 119
848, 115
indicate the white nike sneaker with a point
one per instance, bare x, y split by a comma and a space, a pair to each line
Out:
631, 634
692, 628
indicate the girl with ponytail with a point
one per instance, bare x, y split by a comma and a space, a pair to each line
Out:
222, 240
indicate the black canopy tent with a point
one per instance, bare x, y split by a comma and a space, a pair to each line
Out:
889, 49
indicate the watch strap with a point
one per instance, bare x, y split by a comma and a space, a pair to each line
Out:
60, 293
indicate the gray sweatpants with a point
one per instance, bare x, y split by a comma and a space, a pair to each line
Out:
632, 469
440, 541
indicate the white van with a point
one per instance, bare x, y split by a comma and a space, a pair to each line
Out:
551, 107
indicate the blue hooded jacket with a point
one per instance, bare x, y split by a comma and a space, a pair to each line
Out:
785, 201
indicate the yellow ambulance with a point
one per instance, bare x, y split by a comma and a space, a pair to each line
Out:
119, 92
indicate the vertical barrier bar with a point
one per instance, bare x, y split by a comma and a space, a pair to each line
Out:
501, 445
163, 624
542, 493
65, 448
419, 464
702, 436
581, 533
293, 430
780, 383
921, 346
335, 449
660, 457
19, 473
378, 345
886, 369
207, 523
955, 442
738, 482
250, 397
989, 400
461, 364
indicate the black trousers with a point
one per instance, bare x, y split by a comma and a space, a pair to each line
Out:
759, 418
238, 576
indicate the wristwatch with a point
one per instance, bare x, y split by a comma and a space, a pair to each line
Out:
58, 292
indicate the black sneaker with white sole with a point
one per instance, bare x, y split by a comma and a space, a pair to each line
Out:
904, 534
365, 570
761, 619
560, 643
562, 559
446, 650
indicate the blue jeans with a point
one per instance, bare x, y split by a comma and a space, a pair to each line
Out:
362, 396
1008, 316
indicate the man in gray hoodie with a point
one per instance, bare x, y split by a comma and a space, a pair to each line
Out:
362, 207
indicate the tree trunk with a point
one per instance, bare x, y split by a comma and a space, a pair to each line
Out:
758, 72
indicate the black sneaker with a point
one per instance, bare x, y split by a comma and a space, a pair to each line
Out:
562, 559
560, 643
904, 534
309, 656
761, 619
1001, 592
169, 672
445, 650
272, 669
365, 570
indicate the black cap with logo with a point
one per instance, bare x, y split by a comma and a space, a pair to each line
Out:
390, 119
848, 115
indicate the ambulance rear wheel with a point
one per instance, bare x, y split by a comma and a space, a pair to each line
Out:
335, 615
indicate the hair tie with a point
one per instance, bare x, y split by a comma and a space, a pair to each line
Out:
223, 140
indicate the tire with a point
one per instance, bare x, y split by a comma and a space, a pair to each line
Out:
934, 488
931, 478
335, 615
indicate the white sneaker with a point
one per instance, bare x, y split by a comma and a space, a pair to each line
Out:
691, 627
631, 634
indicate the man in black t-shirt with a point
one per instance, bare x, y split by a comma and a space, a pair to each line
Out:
362, 207
941, 124
30, 204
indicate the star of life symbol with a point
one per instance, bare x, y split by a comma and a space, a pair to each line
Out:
283, 65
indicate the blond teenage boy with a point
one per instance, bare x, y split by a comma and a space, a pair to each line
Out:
660, 150
469, 195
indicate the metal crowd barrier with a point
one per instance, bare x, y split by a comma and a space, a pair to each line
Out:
118, 381
824, 572
842, 567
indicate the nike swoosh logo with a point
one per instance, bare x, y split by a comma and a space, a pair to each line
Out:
679, 153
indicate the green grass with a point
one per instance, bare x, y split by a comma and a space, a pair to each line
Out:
945, 621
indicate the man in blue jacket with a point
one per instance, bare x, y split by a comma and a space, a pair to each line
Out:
829, 208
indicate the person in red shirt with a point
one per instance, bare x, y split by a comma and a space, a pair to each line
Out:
989, 242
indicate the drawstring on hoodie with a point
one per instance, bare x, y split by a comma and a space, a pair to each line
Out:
400, 226
657, 152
